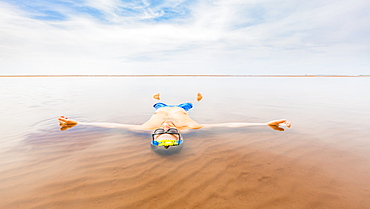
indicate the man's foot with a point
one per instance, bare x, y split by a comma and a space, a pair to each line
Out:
156, 96
199, 97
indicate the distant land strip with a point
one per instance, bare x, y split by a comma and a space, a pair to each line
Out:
185, 76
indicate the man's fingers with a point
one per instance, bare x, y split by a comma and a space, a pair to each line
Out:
277, 128
276, 122
280, 121
288, 124
61, 118
63, 128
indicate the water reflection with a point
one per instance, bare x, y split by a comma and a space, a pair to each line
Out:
172, 150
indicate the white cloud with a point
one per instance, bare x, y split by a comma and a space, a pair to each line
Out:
218, 37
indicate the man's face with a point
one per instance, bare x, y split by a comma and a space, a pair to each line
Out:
167, 135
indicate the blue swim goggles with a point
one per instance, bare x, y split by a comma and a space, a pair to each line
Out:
166, 142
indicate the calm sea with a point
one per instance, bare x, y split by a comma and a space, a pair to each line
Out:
330, 131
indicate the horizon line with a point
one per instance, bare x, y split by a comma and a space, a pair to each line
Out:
223, 75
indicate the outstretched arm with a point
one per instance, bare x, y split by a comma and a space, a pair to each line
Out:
275, 124
66, 123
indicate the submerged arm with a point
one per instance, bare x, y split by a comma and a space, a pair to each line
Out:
275, 124
66, 123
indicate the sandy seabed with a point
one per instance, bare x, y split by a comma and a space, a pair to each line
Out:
263, 169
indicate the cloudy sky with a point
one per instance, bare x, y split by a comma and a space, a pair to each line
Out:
184, 37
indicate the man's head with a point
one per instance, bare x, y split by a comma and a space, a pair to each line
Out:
167, 135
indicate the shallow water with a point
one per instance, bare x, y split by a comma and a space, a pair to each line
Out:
321, 162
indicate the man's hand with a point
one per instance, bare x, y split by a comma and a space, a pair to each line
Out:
276, 123
66, 123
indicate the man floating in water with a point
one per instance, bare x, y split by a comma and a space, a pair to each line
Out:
167, 122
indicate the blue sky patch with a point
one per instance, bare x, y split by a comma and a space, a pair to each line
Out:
49, 15
59, 10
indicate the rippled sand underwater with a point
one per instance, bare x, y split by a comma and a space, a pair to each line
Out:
321, 162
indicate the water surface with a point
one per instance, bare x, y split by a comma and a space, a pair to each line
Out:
321, 162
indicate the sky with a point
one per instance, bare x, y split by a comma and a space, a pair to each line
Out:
180, 37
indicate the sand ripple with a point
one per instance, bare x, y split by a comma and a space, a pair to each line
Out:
119, 170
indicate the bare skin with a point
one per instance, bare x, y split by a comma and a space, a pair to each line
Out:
175, 114
66, 123
167, 117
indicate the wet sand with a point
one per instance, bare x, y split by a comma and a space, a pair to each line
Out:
312, 165
261, 170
